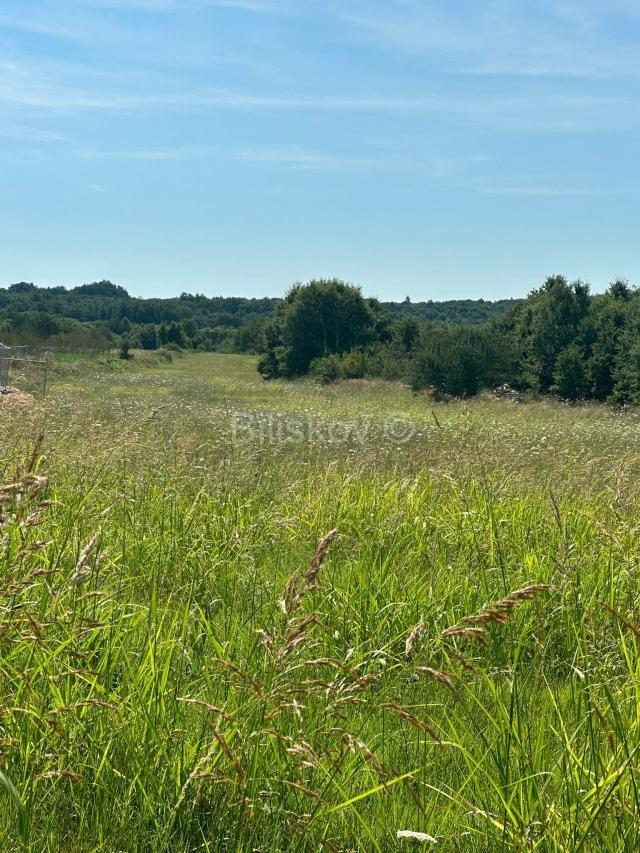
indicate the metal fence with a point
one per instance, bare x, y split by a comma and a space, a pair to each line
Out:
24, 369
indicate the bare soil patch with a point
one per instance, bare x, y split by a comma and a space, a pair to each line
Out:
16, 397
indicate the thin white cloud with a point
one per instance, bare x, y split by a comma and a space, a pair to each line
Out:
24, 133
517, 38
23, 86
301, 158
31, 25
256, 6
159, 154
550, 191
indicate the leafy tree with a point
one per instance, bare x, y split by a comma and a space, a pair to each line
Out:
620, 290
148, 337
548, 322
570, 376
172, 334
457, 361
406, 333
316, 320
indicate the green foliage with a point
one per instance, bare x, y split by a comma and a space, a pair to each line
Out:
317, 320
148, 337
560, 340
125, 350
459, 311
570, 374
40, 314
548, 322
457, 361
326, 369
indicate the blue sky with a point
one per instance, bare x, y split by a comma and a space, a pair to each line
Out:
445, 149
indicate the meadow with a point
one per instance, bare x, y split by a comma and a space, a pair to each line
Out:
239, 615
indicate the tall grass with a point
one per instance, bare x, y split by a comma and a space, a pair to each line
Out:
207, 645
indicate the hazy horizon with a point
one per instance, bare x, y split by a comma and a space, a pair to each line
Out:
209, 292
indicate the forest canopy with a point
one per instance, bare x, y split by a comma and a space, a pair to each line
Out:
58, 317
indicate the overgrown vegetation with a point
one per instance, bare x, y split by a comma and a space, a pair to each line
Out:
238, 615
561, 340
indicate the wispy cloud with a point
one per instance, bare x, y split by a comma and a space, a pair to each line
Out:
256, 6
301, 158
35, 25
25, 133
159, 154
545, 39
551, 191
24, 87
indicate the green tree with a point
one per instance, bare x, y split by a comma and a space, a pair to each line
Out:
314, 321
458, 360
570, 375
550, 320
125, 350
148, 337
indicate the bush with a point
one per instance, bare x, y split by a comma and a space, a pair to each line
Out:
125, 351
327, 369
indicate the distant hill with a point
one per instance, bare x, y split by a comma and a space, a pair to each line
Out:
105, 302
461, 311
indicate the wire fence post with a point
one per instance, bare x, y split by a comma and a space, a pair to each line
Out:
46, 375
24, 369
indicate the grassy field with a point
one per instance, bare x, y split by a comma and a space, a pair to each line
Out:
187, 664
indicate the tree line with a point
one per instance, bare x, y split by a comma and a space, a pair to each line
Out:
561, 340
102, 315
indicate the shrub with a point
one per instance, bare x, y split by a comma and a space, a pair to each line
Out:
326, 369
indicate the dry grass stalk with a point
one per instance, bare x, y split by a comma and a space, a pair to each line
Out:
304, 750
298, 634
296, 590
416, 836
265, 638
355, 745
500, 612
294, 706
629, 625
225, 664
213, 778
303, 790
413, 637
410, 718
478, 634
62, 774
226, 749
444, 678
24, 483
82, 573
212, 708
